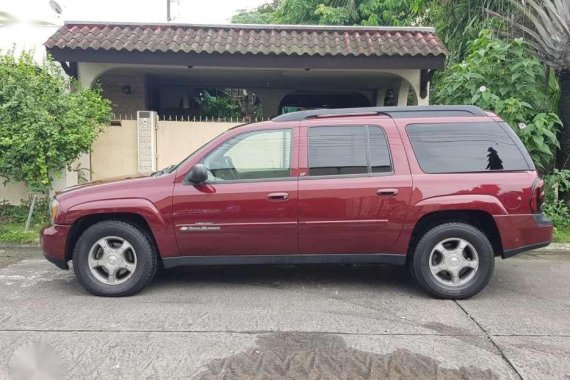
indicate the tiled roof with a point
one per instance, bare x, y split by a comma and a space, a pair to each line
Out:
249, 39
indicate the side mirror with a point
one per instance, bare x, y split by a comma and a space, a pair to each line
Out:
198, 174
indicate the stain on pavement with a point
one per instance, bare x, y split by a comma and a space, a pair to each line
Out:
291, 355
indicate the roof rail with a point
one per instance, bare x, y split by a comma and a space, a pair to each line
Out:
393, 112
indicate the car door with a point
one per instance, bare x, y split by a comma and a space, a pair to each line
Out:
248, 205
354, 188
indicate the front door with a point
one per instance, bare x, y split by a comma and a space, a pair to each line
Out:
352, 198
248, 205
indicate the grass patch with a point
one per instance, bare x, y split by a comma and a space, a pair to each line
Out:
561, 235
15, 234
13, 219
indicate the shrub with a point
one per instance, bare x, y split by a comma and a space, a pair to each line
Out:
46, 120
502, 76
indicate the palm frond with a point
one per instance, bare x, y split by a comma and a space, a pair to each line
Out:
545, 24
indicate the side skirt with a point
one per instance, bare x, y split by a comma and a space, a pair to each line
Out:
371, 258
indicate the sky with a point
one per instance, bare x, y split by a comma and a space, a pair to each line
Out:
26, 34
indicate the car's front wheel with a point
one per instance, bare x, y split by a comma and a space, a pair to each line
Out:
114, 258
453, 261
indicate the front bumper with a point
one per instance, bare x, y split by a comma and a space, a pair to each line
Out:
53, 240
521, 233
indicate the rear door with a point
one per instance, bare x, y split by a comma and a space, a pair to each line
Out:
354, 188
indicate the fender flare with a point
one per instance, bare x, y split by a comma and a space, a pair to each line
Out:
160, 229
460, 202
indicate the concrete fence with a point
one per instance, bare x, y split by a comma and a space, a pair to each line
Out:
117, 151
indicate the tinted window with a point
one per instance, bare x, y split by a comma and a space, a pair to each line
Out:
379, 152
466, 147
251, 155
347, 150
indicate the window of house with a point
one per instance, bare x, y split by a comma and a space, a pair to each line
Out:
252, 155
466, 147
347, 150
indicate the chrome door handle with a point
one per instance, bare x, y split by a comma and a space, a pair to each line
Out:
277, 196
387, 192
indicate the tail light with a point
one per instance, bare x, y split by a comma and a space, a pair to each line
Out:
537, 196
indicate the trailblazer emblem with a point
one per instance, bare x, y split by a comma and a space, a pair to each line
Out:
198, 227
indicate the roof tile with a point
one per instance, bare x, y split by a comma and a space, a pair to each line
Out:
248, 39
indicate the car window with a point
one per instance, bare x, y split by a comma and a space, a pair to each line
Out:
347, 150
465, 147
251, 155
379, 152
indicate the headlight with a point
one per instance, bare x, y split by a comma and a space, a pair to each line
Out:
53, 207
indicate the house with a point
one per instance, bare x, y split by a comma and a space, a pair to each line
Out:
163, 69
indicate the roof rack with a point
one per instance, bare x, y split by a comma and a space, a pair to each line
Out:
393, 112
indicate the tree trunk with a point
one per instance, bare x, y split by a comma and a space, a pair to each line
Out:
564, 112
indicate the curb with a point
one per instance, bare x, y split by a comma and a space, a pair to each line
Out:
14, 245
556, 247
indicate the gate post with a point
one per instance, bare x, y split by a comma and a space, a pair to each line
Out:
146, 141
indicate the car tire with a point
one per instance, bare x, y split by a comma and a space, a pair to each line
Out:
453, 261
114, 259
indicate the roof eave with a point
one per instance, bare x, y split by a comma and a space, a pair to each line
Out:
293, 61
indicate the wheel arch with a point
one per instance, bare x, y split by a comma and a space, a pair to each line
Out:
479, 219
83, 223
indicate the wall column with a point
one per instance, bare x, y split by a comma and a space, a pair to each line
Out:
403, 91
380, 96
270, 100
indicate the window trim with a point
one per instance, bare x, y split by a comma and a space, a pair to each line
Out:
467, 172
253, 180
368, 153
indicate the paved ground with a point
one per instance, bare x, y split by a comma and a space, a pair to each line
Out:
292, 323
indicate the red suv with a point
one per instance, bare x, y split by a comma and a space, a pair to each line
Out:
442, 189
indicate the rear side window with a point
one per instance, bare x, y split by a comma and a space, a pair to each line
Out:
465, 147
348, 150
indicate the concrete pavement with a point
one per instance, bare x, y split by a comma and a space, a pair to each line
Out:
264, 322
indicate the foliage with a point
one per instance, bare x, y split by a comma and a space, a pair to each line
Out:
46, 121
393, 12
338, 12
219, 104
297, 12
12, 214
15, 234
557, 182
13, 219
561, 235
545, 24
559, 213
458, 22
261, 15
501, 76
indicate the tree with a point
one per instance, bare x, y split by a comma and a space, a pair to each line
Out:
458, 22
338, 12
46, 120
261, 15
387, 12
545, 24
501, 76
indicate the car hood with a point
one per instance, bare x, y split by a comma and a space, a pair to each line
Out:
106, 181
132, 186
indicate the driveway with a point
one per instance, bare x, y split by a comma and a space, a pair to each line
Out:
347, 322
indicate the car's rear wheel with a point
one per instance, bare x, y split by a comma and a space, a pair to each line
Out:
453, 261
114, 258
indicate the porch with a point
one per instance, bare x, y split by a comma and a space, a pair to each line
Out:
280, 68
